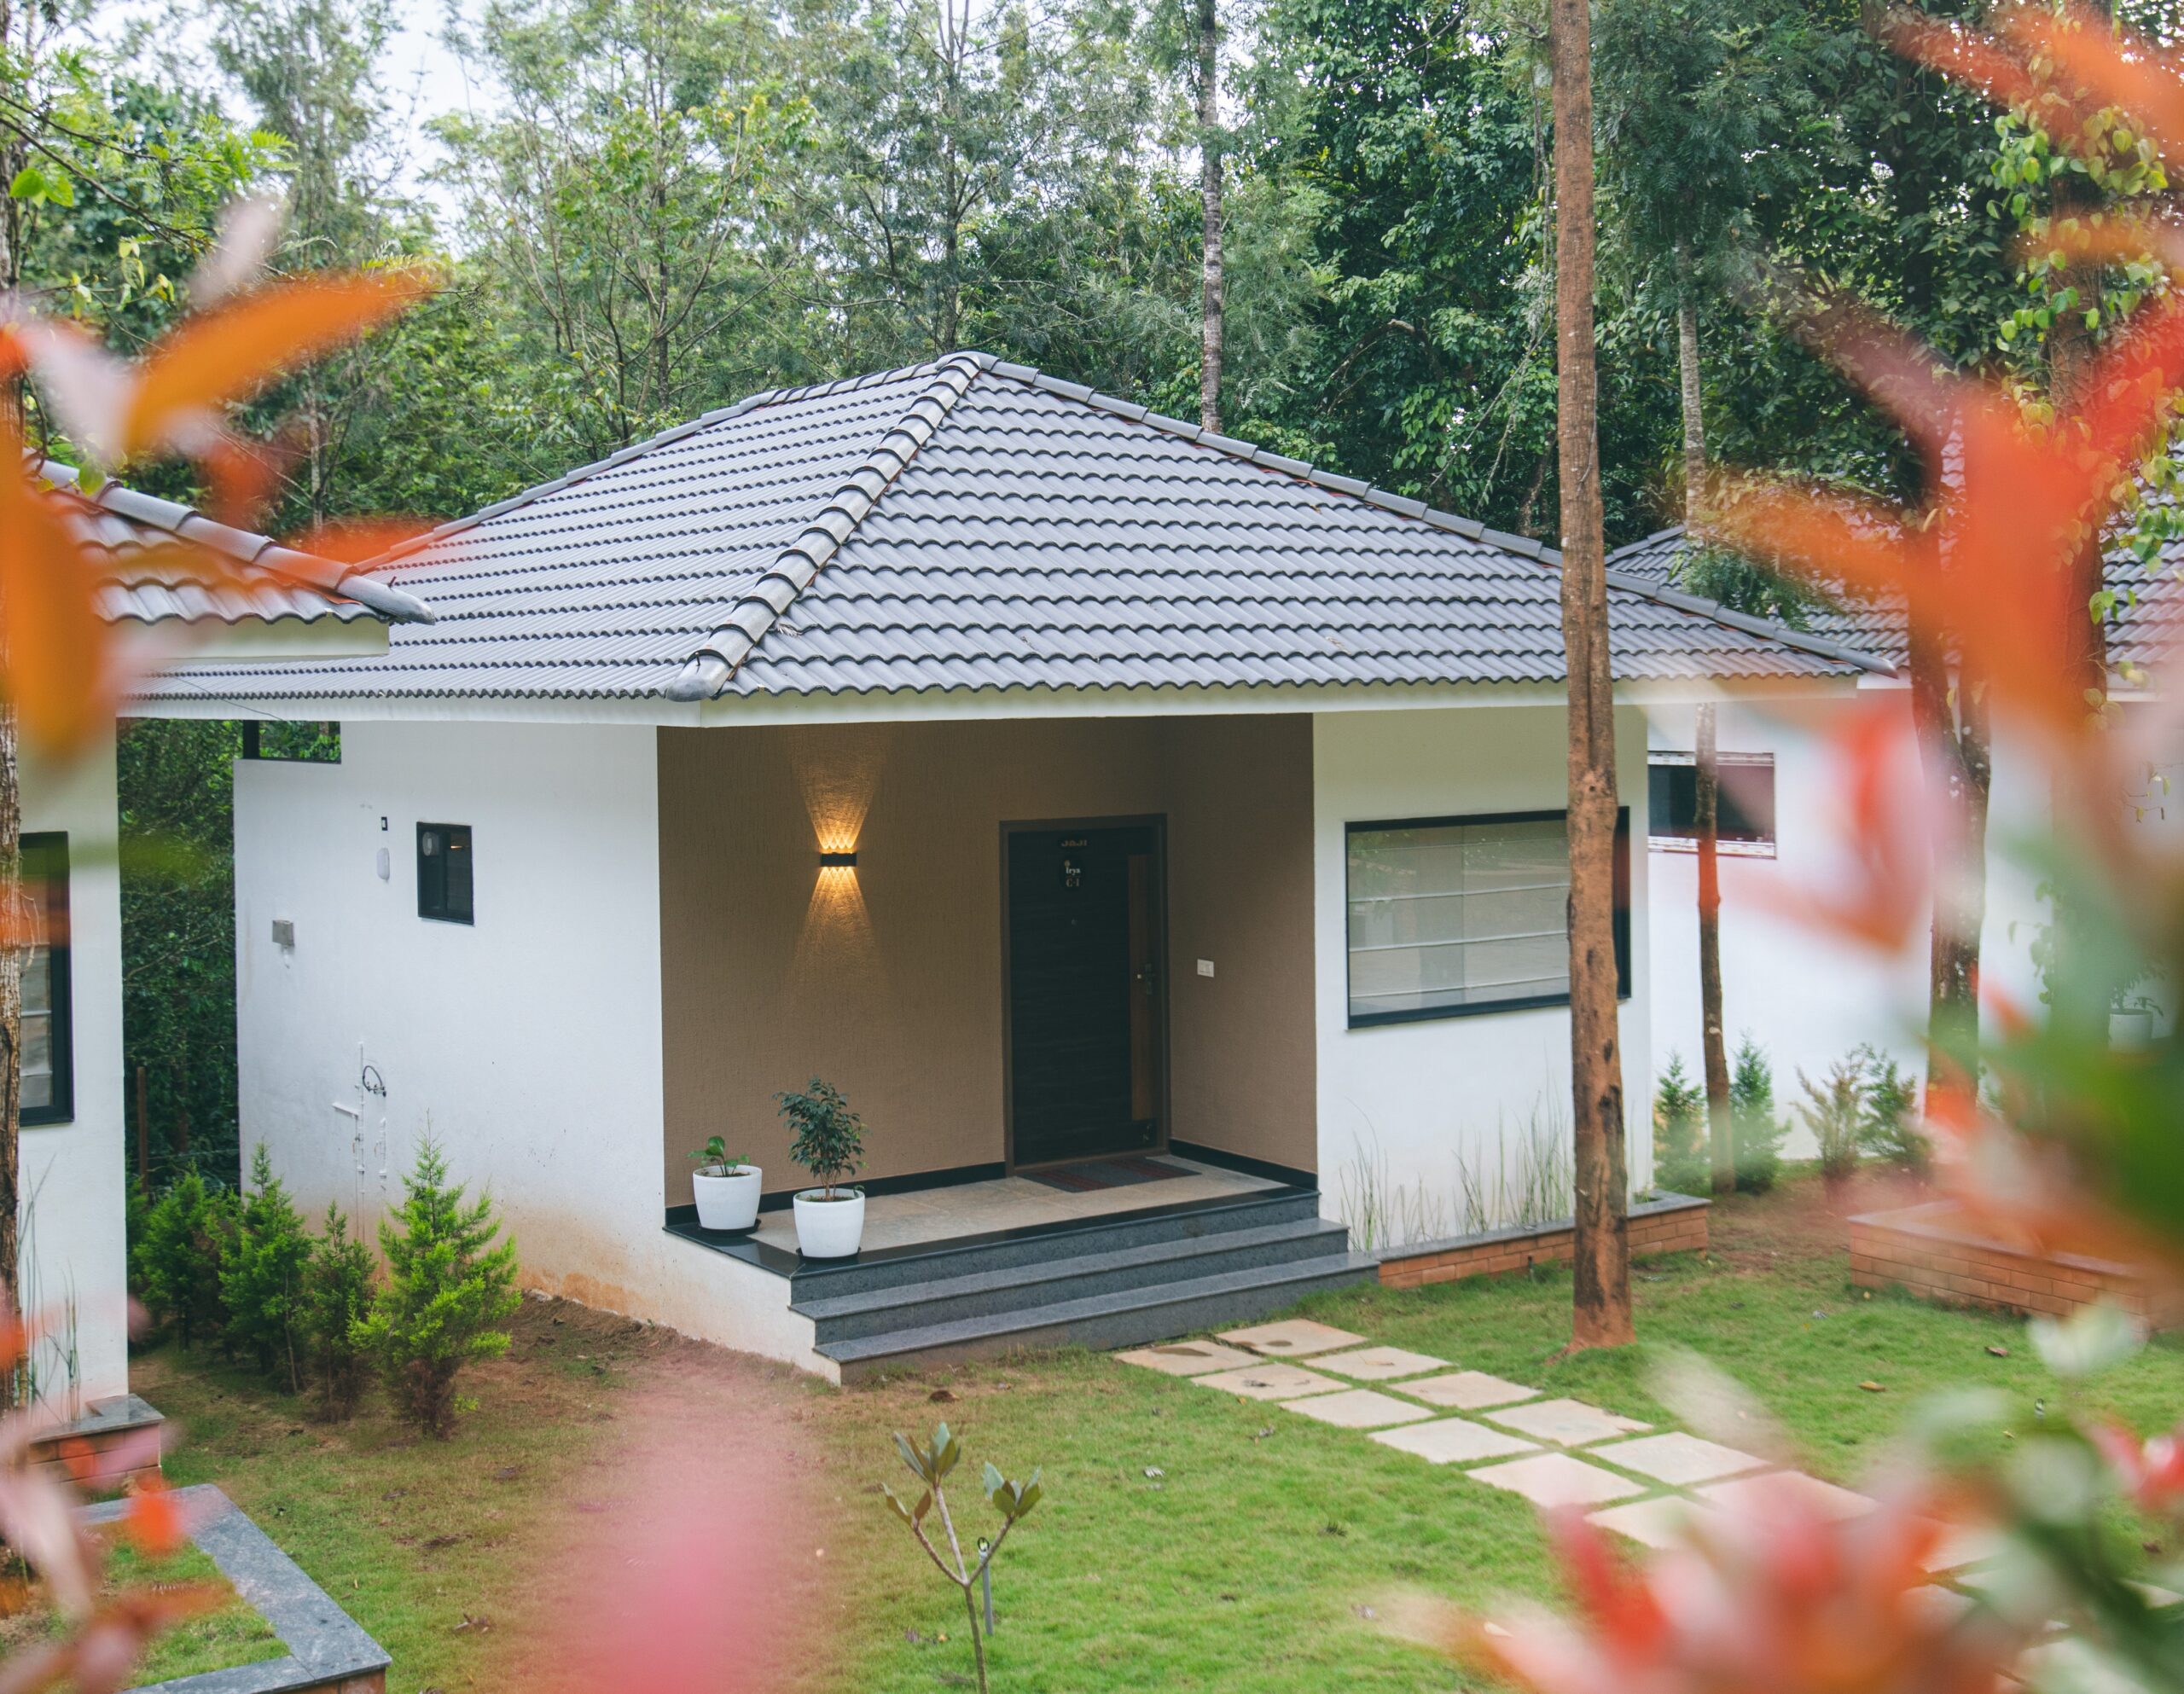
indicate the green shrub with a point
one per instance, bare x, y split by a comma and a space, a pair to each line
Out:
336, 1308
829, 1137
1833, 1109
178, 1260
1756, 1130
1680, 1151
262, 1263
448, 1290
1889, 1129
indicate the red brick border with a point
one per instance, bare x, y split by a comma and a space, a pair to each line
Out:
1937, 1253
1675, 1224
84, 1444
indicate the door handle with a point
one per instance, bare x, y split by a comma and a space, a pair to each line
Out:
1149, 980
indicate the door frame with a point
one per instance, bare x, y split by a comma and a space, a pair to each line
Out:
1157, 823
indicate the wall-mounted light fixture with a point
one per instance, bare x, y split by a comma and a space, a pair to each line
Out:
837, 860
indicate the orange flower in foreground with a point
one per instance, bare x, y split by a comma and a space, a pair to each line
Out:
1775, 1597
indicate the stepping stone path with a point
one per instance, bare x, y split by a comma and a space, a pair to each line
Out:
1650, 1488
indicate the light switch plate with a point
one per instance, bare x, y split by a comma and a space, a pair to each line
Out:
1205, 967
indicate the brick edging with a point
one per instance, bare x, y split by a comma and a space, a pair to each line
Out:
1919, 1248
1672, 1223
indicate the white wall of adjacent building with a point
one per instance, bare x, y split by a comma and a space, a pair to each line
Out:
527, 1043
72, 1215
1806, 996
1409, 1113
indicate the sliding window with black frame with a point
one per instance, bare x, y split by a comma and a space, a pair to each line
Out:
1744, 813
49, 1072
1451, 917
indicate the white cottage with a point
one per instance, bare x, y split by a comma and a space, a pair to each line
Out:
1153, 836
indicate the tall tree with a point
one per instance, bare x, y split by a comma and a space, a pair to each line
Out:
1210, 143
1600, 1291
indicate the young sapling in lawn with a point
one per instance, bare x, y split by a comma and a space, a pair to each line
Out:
930, 1465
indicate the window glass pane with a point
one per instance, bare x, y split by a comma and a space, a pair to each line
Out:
1448, 915
37, 981
38, 1060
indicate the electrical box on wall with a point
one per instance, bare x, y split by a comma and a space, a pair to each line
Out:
284, 932
1205, 967
386, 864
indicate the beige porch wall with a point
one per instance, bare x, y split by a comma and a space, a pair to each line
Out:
886, 980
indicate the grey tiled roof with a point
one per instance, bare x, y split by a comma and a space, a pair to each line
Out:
145, 578
967, 525
2144, 631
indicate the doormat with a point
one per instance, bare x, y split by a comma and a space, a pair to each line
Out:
1108, 1173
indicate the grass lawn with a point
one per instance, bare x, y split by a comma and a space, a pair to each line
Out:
232, 1634
1253, 1559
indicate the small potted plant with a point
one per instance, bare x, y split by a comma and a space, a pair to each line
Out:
829, 1144
727, 1188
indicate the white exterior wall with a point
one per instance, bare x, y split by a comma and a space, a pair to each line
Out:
1807, 996
1409, 1101
74, 1216
528, 1043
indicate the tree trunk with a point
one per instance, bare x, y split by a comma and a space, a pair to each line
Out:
1951, 723
1713, 1043
1209, 178
15, 917
1601, 1284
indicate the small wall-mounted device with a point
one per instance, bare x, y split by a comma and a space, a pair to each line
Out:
382, 826
1205, 967
385, 865
284, 932
836, 862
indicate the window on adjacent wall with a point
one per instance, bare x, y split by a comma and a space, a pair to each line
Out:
48, 1056
1451, 916
1746, 822
444, 872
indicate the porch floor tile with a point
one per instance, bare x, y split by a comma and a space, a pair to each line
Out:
1357, 1408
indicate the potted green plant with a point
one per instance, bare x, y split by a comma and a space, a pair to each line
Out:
726, 1184
829, 1144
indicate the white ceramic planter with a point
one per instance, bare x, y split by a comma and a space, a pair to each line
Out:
2130, 1031
829, 1229
729, 1202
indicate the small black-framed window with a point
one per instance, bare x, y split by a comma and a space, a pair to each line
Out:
444, 872
1745, 818
49, 1075
1450, 917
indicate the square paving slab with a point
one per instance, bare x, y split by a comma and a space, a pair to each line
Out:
1651, 1523
1377, 1364
1963, 1544
1357, 1408
1566, 1422
1451, 1441
1678, 1458
1187, 1358
1552, 1479
1746, 1493
1271, 1382
1293, 1339
1466, 1390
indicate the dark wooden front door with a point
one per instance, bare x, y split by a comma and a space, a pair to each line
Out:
1087, 992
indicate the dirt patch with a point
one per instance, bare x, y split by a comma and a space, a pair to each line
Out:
1800, 1219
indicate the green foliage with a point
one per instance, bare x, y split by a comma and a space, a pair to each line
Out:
179, 1262
714, 1159
263, 1266
930, 1462
1834, 1110
1888, 1126
448, 1290
335, 1313
1754, 1127
829, 1137
1680, 1151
